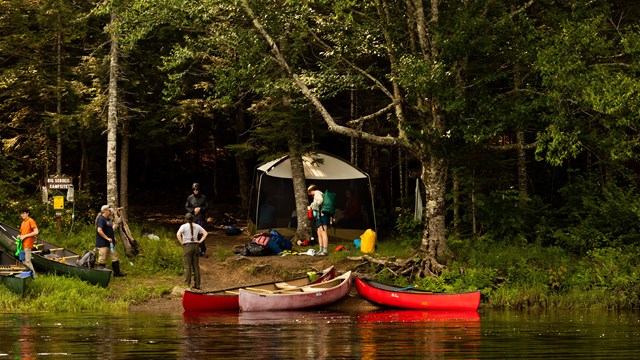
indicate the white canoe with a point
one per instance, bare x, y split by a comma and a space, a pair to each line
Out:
303, 297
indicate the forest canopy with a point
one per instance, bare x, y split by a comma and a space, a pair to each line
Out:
520, 119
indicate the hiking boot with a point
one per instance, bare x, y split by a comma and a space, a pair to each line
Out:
204, 255
116, 269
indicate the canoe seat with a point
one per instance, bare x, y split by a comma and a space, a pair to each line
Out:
2, 268
259, 290
289, 291
284, 285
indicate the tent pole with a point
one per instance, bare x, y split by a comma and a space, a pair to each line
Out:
373, 206
258, 201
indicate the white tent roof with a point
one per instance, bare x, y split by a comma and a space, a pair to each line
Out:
318, 166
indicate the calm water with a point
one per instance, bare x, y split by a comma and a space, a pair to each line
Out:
322, 335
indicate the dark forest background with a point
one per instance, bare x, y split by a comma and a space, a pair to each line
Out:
541, 101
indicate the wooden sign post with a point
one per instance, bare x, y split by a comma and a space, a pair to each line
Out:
59, 182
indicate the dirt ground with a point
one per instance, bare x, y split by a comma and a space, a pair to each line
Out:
235, 270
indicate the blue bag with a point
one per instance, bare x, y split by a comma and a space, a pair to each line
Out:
279, 243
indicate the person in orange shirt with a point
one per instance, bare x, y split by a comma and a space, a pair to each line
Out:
28, 232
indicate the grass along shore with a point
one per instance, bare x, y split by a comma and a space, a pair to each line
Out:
522, 276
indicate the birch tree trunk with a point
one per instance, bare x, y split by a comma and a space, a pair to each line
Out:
112, 118
59, 101
124, 171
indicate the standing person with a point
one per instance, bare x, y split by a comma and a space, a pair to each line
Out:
106, 241
190, 235
321, 220
197, 206
28, 232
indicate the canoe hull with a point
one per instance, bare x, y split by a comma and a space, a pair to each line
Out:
192, 301
392, 296
10, 274
94, 276
16, 284
227, 299
312, 297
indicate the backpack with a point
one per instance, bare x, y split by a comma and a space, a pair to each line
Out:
88, 260
278, 243
329, 203
232, 230
261, 238
255, 249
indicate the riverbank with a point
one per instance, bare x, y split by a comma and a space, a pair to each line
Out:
224, 269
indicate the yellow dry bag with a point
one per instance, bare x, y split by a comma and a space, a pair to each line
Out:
368, 241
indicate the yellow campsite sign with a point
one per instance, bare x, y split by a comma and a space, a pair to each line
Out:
58, 202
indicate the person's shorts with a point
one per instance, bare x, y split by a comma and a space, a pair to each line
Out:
323, 220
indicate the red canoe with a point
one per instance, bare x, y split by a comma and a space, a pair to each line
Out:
227, 299
408, 298
303, 297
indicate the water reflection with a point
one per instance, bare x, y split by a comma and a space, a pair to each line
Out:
320, 335
424, 333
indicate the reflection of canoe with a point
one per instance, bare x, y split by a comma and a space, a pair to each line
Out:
57, 259
397, 316
408, 298
310, 296
293, 317
227, 299
12, 274
210, 317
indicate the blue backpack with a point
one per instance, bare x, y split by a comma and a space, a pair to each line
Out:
278, 243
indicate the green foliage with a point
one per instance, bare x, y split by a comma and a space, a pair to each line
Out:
503, 218
408, 228
595, 214
51, 293
140, 294
222, 255
393, 247
535, 276
158, 256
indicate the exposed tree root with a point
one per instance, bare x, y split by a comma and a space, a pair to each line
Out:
414, 267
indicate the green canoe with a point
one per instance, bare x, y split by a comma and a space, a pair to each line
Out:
57, 259
12, 274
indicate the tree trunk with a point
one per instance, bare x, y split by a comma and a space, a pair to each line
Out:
244, 174
522, 168
455, 187
112, 119
303, 231
124, 171
434, 178
84, 162
59, 102
434, 168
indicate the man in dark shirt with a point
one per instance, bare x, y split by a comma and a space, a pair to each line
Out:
197, 205
106, 241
